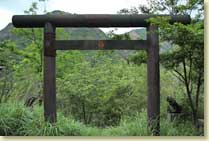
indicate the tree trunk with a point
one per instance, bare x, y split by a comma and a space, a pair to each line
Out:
198, 93
189, 94
84, 111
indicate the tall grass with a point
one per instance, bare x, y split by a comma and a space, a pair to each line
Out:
16, 120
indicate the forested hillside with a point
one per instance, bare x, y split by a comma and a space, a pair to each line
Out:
104, 93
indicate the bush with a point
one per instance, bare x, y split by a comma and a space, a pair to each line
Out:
12, 118
177, 129
130, 126
16, 120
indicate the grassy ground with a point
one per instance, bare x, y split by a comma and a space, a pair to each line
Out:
17, 120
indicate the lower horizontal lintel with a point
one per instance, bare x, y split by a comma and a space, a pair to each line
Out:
101, 44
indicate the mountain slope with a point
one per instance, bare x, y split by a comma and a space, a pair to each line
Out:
5, 34
77, 33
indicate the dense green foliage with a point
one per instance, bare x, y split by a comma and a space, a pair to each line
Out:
103, 93
17, 120
182, 46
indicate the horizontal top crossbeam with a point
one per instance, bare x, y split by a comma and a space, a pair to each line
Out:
91, 20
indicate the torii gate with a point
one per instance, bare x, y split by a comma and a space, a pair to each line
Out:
151, 45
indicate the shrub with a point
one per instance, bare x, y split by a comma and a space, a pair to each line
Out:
15, 119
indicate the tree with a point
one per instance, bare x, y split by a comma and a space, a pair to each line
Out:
7, 59
186, 61
185, 57
30, 66
44, 5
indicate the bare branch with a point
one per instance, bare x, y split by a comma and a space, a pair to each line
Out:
180, 75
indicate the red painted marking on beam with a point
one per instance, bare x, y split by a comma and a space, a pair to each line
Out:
101, 44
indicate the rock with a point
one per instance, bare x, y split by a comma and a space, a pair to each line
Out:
175, 116
200, 126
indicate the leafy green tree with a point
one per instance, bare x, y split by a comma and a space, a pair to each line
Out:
44, 1
30, 65
186, 61
7, 59
185, 58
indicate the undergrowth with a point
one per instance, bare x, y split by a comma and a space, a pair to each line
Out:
16, 120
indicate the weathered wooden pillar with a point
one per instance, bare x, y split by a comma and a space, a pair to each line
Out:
49, 73
153, 108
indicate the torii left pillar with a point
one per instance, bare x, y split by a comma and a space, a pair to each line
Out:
49, 73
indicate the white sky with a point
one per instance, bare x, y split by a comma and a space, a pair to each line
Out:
17, 7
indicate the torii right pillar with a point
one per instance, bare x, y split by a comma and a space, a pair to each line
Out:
153, 75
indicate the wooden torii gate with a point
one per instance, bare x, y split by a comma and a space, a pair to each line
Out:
151, 45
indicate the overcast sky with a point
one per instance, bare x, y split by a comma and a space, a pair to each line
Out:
12, 7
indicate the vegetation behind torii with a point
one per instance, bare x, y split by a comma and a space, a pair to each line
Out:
105, 92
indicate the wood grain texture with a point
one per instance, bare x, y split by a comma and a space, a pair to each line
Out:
101, 44
153, 75
93, 20
49, 74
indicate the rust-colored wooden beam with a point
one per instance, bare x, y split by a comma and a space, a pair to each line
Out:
153, 76
49, 73
92, 20
100, 44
